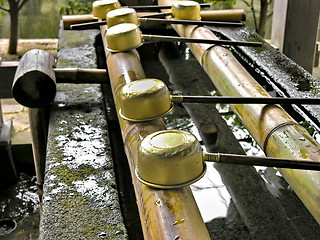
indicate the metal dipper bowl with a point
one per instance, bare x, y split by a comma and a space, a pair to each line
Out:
102, 7
144, 100
170, 159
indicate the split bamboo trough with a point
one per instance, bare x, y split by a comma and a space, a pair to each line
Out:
276, 132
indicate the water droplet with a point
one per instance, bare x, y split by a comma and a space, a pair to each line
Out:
159, 203
179, 221
102, 235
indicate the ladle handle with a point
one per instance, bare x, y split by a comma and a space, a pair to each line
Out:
191, 22
243, 100
157, 7
162, 14
195, 40
88, 25
262, 161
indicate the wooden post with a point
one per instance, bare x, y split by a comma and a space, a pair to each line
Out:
1, 117
294, 29
39, 120
34, 83
8, 174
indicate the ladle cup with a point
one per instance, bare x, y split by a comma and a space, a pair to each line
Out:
127, 36
148, 99
129, 15
185, 8
102, 7
173, 158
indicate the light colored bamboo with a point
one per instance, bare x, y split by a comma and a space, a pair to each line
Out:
224, 15
164, 214
273, 129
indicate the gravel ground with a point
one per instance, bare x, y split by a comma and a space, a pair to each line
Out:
25, 45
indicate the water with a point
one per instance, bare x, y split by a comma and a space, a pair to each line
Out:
37, 19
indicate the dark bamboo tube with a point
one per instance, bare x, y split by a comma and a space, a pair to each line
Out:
243, 100
262, 161
39, 120
195, 40
93, 25
34, 83
80, 75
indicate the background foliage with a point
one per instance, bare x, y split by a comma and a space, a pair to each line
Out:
77, 7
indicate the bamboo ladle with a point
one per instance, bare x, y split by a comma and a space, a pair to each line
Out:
127, 36
129, 15
102, 7
173, 158
148, 99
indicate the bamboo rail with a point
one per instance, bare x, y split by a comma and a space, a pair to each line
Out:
234, 15
164, 214
274, 130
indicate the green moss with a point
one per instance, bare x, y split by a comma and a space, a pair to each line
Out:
68, 176
75, 39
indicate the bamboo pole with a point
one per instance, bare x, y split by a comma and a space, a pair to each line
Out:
165, 214
273, 129
233, 15
93, 25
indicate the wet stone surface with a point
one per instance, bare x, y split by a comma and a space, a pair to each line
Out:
80, 198
287, 77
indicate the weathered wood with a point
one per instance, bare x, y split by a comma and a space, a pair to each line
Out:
80, 75
291, 25
39, 120
7, 72
8, 174
1, 117
164, 214
268, 124
34, 83
33, 77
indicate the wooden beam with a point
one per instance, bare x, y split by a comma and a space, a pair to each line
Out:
295, 28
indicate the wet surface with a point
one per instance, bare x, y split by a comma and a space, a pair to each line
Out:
21, 204
80, 198
234, 200
269, 65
